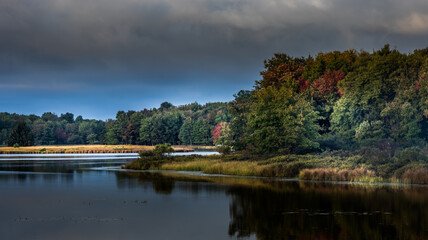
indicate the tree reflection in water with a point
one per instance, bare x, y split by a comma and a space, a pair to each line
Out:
303, 210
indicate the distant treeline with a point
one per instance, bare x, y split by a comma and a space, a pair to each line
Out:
187, 124
337, 100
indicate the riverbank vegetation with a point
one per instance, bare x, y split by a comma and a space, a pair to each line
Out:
331, 166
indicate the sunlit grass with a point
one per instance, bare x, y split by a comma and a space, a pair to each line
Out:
333, 174
241, 168
86, 149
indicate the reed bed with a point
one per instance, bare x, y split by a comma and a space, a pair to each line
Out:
418, 176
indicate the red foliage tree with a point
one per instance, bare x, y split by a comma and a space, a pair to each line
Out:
280, 74
328, 83
303, 85
217, 132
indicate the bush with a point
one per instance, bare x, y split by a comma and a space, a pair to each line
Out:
419, 176
16, 145
146, 154
411, 154
330, 142
224, 149
161, 149
147, 160
151, 159
375, 156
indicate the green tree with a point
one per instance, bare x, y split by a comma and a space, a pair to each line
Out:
21, 135
48, 116
282, 122
201, 133
69, 117
186, 132
111, 136
239, 108
380, 98
165, 106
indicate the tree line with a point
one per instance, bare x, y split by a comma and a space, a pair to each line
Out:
331, 101
187, 124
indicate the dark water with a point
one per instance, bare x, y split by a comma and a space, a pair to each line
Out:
89, 198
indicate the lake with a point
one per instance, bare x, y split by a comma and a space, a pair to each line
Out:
88, 196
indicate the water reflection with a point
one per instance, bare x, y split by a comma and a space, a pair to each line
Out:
166, 205
304, 210
160, 184
165, 183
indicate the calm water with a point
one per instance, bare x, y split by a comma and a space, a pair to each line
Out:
88, 197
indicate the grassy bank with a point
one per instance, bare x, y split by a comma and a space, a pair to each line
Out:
322, 167
90, 149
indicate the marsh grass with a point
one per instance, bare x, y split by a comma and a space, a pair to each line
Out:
87, 149
322, 167
332, 174
244, 165
418, 176
241, 168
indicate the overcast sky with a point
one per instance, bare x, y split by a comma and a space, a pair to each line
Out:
95, 57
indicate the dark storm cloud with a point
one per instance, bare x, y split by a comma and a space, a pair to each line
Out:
149, 33
61, 45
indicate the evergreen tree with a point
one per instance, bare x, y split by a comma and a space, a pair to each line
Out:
186, 132
21, 135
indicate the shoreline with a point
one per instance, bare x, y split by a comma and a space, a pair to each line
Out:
302, 167
232, 179
58, 149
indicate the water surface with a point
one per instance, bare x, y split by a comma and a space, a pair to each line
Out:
90, 197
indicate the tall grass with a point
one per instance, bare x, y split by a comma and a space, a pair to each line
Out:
331, 174
419, 176
322, 167
85, 149
242, 168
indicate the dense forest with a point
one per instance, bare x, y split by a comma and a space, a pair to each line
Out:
337, 100
190, 124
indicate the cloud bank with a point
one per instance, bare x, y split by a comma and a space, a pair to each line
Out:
73, 44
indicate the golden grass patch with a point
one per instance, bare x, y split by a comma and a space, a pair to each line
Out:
86, 149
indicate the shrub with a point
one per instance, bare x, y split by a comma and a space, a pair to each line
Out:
161, 149
419, 176
411, 154
151, 159
375, 156
146, 154
332, 142
16, 145
224, 149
